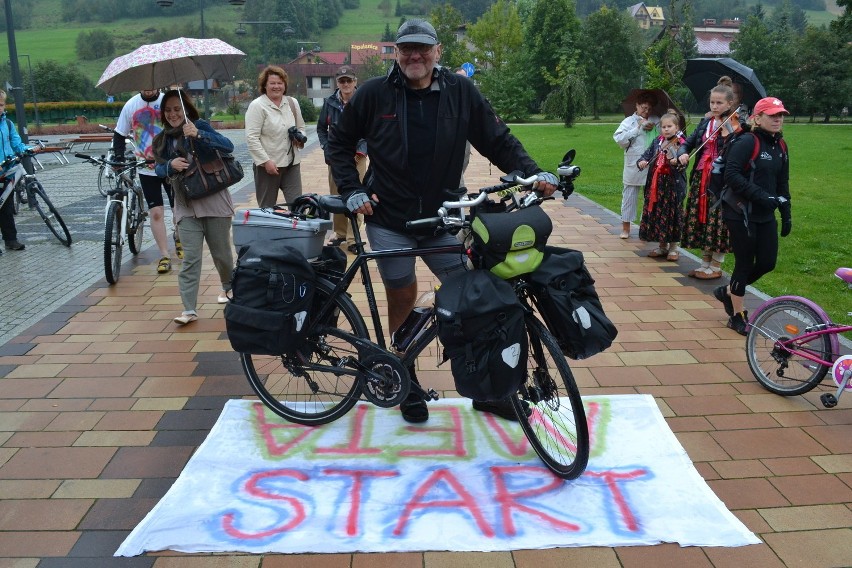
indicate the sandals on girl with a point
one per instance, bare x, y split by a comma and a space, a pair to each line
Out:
658, 253
708, 274
164, 265
673, 256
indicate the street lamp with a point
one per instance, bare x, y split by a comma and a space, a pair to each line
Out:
169, 4
17, 91
32, 84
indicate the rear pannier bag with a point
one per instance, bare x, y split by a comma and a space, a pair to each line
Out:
564, 292
481, 325
510, 244
272, 287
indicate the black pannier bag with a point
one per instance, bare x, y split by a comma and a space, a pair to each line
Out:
272, 287
564, 292
510, 244
481, 325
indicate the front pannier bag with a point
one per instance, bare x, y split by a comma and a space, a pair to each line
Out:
272, 287
481, 325
564, 292
510, 244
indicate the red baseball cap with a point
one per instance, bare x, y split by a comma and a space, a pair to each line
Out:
770, 106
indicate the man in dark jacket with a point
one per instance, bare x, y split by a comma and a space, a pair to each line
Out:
332, 107
417, 121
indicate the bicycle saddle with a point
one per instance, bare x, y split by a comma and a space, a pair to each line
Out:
844, 274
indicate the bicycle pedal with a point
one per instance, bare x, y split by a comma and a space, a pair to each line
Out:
432, 394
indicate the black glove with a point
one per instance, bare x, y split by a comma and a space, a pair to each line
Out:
767, 201
786, 219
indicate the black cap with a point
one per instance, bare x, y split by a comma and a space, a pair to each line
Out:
417, 31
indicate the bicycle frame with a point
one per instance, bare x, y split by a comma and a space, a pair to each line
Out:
18, 172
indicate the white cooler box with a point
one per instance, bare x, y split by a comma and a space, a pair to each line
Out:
306, 235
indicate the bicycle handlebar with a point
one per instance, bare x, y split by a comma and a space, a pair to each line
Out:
103, 161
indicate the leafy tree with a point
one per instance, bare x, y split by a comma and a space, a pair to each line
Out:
686, 32
472, 9
373, 66
22, 15
508, 89
551, 28
824, 77
842, 26
388, 35
447, 20
94, 44
612, 66
789, 15
496, 35
56, 81
567, 100
769, 54
664, 65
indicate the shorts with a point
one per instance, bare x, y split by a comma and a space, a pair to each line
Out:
399, 272
152, 187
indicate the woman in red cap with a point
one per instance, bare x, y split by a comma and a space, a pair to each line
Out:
757, 171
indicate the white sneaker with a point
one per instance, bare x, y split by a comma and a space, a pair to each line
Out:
223, 297
185, 318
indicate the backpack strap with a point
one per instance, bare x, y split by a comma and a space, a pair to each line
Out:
754, 154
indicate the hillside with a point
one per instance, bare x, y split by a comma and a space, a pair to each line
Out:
50, 38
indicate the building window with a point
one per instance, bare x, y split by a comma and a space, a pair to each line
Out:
386, 49
325, 82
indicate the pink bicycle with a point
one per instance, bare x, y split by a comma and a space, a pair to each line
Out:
792, 344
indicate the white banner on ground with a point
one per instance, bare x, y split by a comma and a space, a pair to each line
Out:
463, 481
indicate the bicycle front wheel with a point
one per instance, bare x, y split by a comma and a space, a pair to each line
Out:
557, 427
104, 181
773, 364
112, 242
48, 212
135, 222
294, 387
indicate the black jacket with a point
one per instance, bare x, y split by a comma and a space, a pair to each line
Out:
332, 107
377, 113
771, 174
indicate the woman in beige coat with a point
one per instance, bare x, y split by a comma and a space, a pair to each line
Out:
275, 132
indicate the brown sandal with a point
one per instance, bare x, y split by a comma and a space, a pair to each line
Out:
673, 256
658, 253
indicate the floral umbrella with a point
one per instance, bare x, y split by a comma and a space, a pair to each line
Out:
171, 62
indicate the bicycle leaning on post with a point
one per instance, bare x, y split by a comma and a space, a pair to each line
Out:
338, 363
125, 213
21, 187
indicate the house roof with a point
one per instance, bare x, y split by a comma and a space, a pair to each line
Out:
636, 8
714, 43
656, 12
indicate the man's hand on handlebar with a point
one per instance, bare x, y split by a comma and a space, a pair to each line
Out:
546, 183
360, 204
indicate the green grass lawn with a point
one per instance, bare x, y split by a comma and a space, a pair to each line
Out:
820, 172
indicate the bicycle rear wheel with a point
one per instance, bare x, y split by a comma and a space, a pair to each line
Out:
135, 222
112, 242
557, 427
48, 212
293, 387
774, 366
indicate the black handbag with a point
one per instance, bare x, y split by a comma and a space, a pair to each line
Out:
201, 179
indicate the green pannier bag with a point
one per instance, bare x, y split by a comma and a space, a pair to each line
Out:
511, 243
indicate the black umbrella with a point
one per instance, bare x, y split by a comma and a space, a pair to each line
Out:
702, 74
663, 104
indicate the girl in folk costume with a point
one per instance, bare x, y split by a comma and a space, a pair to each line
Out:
662, 215
704, 228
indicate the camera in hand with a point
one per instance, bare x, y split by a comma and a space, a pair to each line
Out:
297, 136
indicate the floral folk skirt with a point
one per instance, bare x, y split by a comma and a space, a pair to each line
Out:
712, 235
665, 223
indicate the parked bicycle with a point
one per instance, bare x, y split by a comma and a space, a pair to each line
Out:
24, 188
125, 213
106, 174
339, 363
792, 344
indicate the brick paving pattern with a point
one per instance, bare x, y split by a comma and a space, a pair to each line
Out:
104, 399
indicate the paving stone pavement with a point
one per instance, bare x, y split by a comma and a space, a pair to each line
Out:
103, 399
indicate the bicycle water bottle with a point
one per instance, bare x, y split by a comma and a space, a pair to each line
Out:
415, 323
